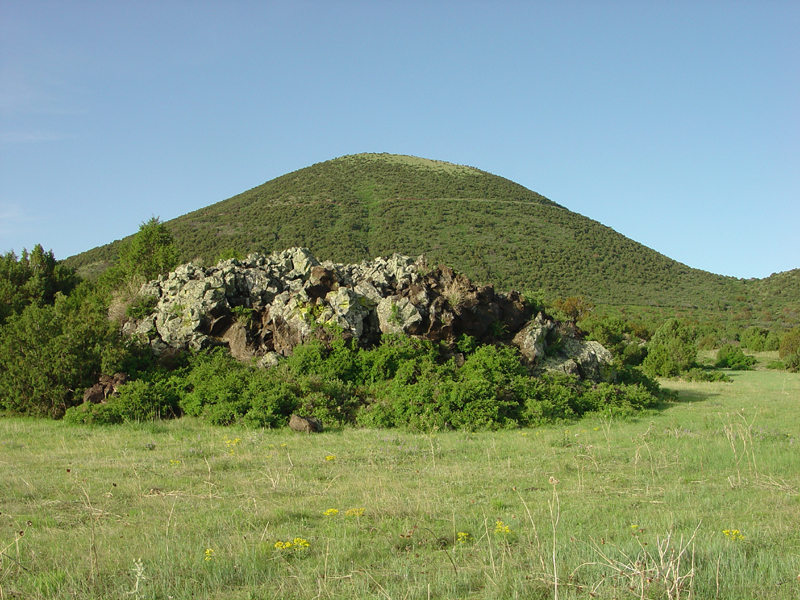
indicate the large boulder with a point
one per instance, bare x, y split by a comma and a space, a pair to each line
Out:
531, 340
398, 315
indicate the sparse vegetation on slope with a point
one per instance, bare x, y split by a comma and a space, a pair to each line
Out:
357, 207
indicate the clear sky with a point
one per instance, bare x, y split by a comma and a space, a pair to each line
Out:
677, 123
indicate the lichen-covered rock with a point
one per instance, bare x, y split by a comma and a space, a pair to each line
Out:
587, 360
264, 306
531, 339
398, 315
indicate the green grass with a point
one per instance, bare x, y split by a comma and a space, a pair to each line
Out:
136, 511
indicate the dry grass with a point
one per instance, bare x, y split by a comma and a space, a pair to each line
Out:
598, 508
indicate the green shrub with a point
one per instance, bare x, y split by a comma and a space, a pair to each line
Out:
671, 350
609, 331
710, 375
93, 414
776, 365
707, 342
548, 399
790, 343
732, 357
773, 342
47, 352
271, 402
753, 338
466, 344
143, 400
792, 362
634, 354
213, 378
558, 397
141, 307
329, 400
404, 383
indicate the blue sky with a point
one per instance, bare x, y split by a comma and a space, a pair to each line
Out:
676, 123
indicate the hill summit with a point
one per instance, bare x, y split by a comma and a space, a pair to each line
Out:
493, 230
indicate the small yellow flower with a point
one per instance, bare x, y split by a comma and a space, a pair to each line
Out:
174, 462
502, 528
354, 512
733, 534
331, 512
209, 554
231, 444
330, 457
634, 527
297, 543
464, 537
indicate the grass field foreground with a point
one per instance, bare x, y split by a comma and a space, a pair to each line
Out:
698, 500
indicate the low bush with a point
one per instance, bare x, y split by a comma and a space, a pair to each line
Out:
754, 338
404, 382
790, 343
93, 414
711, 375
773, 342
141, 307
671, 350
732, 357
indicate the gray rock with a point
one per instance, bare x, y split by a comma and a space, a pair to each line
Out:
531, 339
398, 315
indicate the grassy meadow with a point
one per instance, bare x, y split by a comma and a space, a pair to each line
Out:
700, 499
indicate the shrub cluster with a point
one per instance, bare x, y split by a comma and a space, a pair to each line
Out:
700, 374
732, 357
404, 382
618, 336
790, 350
672, 350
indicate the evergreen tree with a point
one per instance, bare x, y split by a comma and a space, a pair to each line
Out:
150, 253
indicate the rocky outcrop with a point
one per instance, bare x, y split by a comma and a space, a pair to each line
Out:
263, 306
106, 387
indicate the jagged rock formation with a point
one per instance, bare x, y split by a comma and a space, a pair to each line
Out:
264, 306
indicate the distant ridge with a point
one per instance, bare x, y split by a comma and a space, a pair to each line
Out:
496, 231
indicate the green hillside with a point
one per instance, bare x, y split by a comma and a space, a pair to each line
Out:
494, 230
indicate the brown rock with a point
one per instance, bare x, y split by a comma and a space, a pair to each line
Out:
95, 394
307, 424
